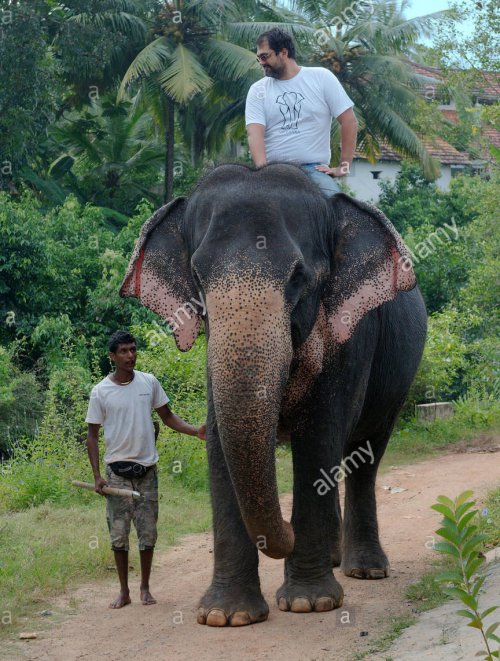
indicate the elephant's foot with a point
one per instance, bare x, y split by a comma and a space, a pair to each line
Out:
233, 606
321, 594
370, 564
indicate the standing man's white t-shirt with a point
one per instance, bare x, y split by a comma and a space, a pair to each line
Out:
125, 414
297, 114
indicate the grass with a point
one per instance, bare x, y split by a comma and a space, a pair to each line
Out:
416, 440
397, 626
48, 549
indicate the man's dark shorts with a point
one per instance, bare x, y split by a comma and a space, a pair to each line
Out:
121, 510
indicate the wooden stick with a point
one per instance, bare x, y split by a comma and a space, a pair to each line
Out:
110, 491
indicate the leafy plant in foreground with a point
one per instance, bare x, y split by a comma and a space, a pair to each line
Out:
462, 543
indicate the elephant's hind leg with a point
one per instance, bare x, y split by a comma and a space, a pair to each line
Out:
362, 553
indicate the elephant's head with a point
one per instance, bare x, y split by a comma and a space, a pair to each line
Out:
270, 257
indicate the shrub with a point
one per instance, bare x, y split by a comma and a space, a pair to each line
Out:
21, 403
444, 357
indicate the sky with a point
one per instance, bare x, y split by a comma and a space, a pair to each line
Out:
422, 7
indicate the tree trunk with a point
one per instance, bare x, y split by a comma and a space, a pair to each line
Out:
169, 149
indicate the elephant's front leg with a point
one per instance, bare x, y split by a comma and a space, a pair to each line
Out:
234, 598
309, 581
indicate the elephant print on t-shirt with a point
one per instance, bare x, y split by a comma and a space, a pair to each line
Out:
290, 103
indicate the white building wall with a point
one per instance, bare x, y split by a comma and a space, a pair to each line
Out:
366, 188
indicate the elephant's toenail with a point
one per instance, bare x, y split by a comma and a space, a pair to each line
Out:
283, 604
216, 618
301, 605
240, 619
323, 604
377, 573
201, 618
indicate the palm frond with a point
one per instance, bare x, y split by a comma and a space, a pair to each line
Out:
185, 76
120, 22
227, 61
210, 11
315, 10
386, 123
247, 33
77, 142
408, 32
154, 57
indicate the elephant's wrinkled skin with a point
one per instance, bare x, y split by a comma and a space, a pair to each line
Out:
315, 330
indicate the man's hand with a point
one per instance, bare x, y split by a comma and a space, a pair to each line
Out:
340, 171
100, 482
202, 432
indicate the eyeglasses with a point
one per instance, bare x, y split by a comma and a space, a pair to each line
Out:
263, 57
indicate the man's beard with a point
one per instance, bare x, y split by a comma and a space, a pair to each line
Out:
273, 72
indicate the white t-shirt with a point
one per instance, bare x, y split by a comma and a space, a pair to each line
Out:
297, 114
125, 414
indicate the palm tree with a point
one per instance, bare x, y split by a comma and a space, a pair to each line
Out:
112, 153
94, 40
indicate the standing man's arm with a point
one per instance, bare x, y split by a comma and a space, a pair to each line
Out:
178, 424
256, 142
93, 452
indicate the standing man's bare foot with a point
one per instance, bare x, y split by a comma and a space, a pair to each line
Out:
147, 598
123, 599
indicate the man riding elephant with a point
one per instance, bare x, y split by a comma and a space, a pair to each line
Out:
289, 114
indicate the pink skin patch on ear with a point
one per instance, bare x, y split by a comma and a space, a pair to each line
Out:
384, 286
181, 316
137, 272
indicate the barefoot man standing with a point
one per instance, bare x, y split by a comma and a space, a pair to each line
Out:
122, 404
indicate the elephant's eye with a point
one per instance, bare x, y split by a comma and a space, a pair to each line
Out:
298, 277
296, 284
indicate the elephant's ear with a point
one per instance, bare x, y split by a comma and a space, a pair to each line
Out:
370, 265
159, 274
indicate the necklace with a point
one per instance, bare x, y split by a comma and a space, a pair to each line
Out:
123, 383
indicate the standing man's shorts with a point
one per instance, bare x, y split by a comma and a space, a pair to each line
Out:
121, 510
329, 186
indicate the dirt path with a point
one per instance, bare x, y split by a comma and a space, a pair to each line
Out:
168, 631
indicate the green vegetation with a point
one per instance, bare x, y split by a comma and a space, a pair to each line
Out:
463, 542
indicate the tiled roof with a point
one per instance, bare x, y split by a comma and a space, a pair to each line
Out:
444, 152
491, 135
487, 90
437, 147
450, 114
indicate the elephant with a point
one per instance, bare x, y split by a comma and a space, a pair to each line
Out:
290, 103
315, 327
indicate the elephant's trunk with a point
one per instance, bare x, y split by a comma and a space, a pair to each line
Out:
249, 353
